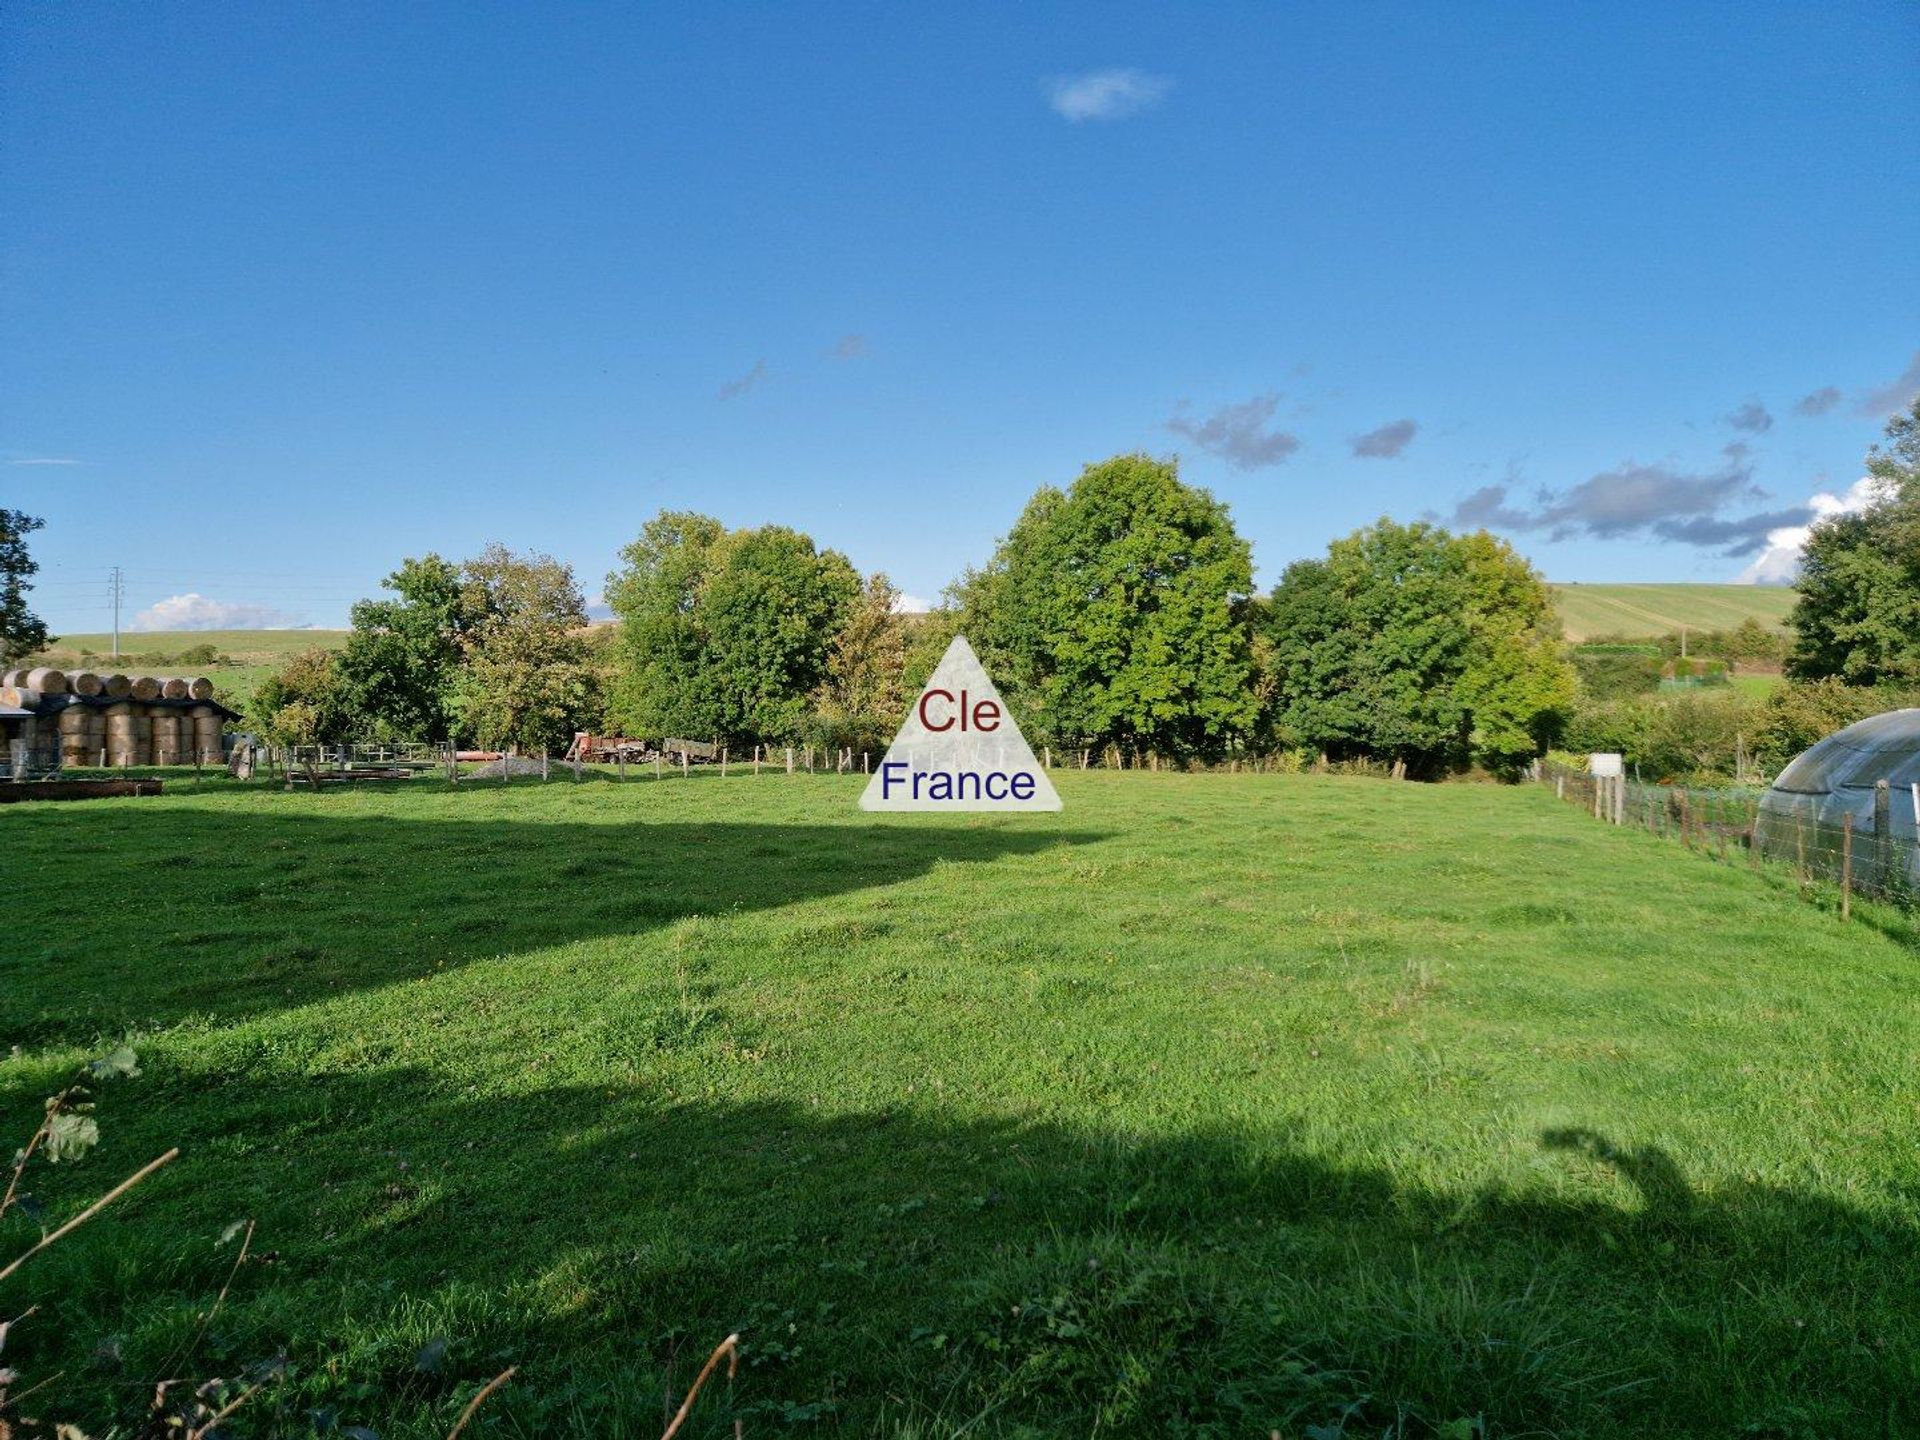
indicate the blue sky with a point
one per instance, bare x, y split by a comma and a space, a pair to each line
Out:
300, 290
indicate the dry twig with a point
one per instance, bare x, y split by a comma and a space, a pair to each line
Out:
94, 1209
729, 1347
474, 1404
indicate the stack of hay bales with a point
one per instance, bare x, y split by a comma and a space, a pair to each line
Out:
129, 734
119, 719
83, 735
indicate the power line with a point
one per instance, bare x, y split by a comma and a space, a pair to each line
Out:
117, 588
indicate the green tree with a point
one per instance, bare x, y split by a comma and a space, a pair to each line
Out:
863, 698
402, 664
527, 684
526, 680
305, 702
1857, 618
726, 634
1113, 613
489, 649
21, 631
1408, 643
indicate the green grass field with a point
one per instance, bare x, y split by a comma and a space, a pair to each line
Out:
1218, 1105
1640, 611
247, 647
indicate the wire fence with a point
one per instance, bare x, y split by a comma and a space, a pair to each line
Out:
1860, 840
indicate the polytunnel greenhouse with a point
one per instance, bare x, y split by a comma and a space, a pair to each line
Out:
1836, 785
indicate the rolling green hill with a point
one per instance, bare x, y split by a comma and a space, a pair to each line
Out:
246, 647
1637, 610
247, 656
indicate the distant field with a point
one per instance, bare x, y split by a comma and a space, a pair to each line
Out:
1647, 610
254, 654
247, 647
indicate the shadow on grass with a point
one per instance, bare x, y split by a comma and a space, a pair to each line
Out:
131, 918
909, 1270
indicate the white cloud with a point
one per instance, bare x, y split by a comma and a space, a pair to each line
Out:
1779, 562
193, 611
44, 460
905, 604
1105, 94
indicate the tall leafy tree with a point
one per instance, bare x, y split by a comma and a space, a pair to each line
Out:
526, 680
304, 702
21, 631
1857, 618
1114, 613
726, 634
1409, 643
401, 666
861, 701
490, 649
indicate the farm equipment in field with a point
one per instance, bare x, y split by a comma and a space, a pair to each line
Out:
616, 749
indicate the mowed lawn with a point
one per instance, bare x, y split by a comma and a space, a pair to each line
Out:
1211, 1105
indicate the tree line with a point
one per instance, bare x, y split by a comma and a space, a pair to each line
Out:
1118, 614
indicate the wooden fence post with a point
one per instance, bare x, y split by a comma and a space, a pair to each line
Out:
683, 764
1846, 871
723, 762
864, 769
756, 762
789, 759
658, 760
543, 762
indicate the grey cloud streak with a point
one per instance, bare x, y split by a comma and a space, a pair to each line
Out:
1240, 434
1386, 441
1639, 500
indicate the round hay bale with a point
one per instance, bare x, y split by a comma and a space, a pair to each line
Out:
47, 680
72, 721
200, 688
85, 682
14, 677
166, 726
20, 696
175, 687
144, 687
127, 729
118, 710
204, 712
115, 687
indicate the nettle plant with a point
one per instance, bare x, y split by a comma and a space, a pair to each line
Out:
181, 1408
67, 1131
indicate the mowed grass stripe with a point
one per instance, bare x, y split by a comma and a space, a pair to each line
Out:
1645, 611
1212, 1104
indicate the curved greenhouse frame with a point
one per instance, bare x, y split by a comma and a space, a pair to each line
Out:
1833, 785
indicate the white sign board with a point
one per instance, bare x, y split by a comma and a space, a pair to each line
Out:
960, 749
1606, 766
